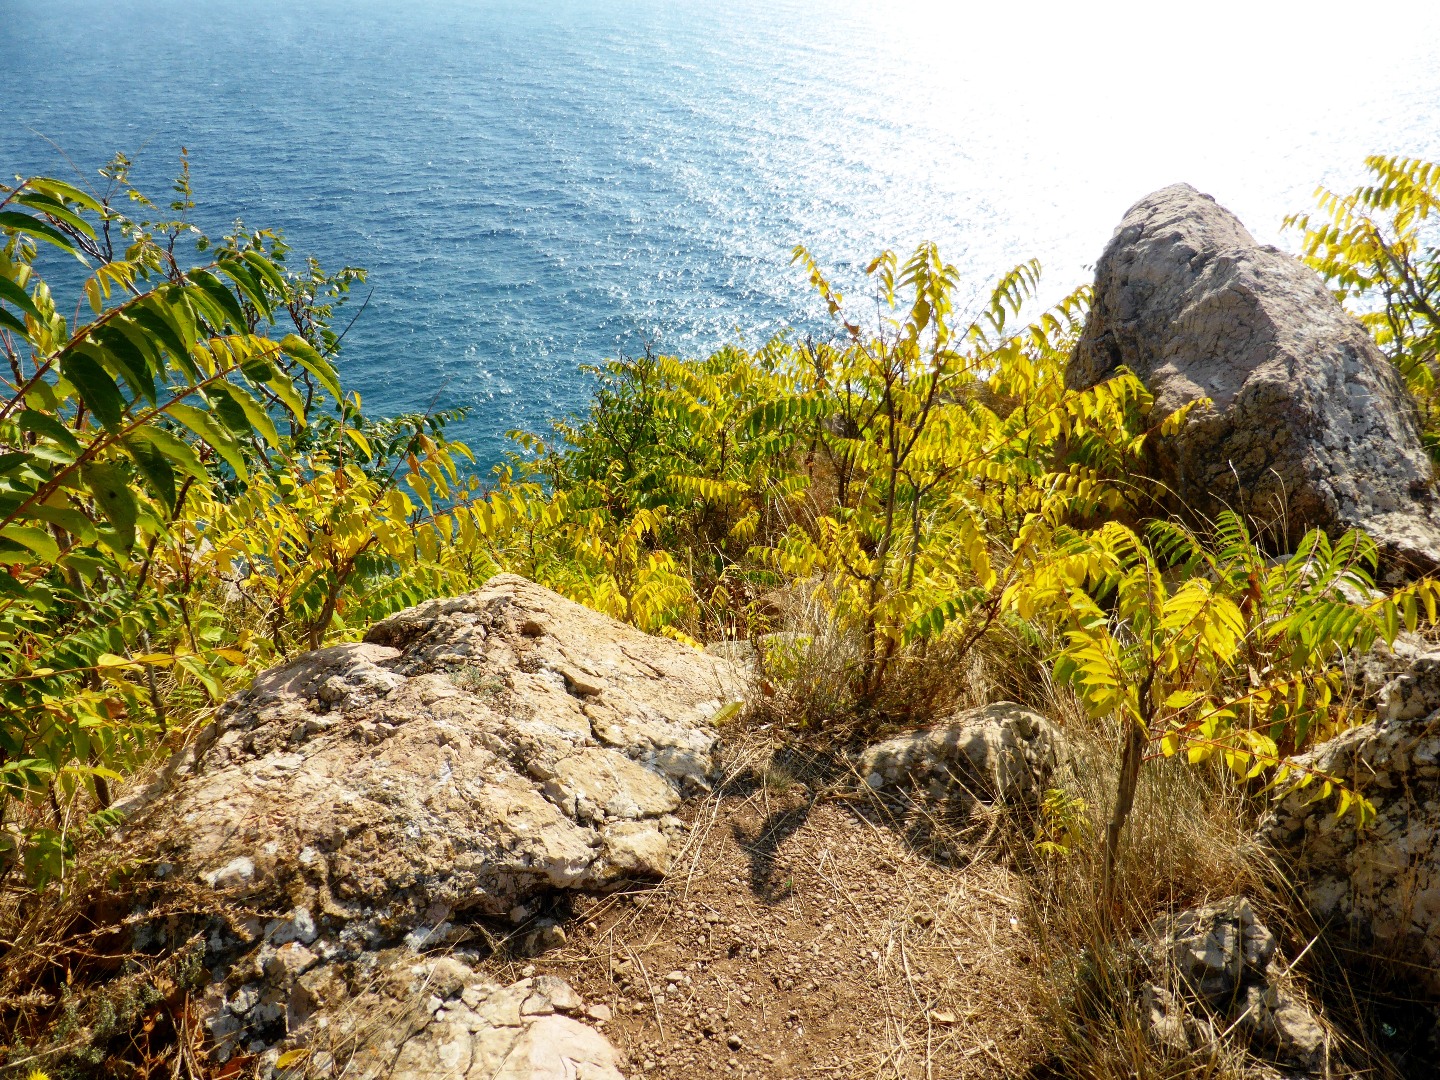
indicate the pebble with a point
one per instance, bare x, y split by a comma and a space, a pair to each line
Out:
733, 1042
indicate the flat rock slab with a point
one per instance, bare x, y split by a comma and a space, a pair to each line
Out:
469, 754
1309, 423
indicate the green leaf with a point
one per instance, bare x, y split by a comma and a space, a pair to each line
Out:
148, 315
56, 209
132, 362
109, 484
241, 412
180, 453
305, 354
12, 461
158, 473
249, 284
47, 427
37, 540
13, 294
219, 294
14, 221
72, 521
266, 269
66, 192
96, 388
204, 425
10, 322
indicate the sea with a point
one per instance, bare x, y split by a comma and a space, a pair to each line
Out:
535, 186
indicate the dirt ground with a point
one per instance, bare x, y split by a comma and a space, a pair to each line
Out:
801, 937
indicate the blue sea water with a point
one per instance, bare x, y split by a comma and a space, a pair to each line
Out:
538, 185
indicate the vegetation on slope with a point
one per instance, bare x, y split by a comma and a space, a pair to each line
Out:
188, 494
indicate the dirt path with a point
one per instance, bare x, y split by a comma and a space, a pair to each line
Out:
798, 939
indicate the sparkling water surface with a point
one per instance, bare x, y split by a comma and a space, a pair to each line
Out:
534, 186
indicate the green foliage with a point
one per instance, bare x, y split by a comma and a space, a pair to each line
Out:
188, 493
164, 452
1377, 247
1206, 648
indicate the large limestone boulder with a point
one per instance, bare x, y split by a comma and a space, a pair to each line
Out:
1310, 425
470, 754
1378, 885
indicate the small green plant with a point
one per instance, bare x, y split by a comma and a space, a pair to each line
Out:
1064, 823
185, 491
1227, 657
1378, 246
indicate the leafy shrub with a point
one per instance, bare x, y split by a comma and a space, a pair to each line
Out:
176, 503
1377, 247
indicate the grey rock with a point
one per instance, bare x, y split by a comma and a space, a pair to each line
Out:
238, 873
477, 799
1222, 964
546, 936
410, 1020
1309, 423
1002, 751
558, 992
1164, 1020
1377, 888
362, 801
1217, 948
1282, 1024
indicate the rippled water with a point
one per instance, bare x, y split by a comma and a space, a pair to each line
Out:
534, 186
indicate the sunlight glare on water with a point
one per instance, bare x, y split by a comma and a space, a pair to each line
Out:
539, 185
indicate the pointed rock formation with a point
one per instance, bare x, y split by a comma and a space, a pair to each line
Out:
1309, 424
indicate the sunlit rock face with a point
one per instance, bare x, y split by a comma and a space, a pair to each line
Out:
470, 754
1308, 423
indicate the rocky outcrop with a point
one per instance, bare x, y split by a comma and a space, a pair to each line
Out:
470, 754
1003, 751
392, 1015
1379, 884
1309, 424
1218, 965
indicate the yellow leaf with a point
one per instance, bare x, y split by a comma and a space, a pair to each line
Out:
291, 1057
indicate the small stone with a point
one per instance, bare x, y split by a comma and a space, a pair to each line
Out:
675, 977
235, 874
734, 1041
245, 999
559, 993
580, 684
599, 1013
546, 936
299, 927
289, 961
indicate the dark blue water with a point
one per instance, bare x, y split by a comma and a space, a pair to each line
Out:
534, 186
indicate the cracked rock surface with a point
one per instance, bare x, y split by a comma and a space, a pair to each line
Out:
1002, 751
471, 753
1308, 418
1216, 969
1380, 885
